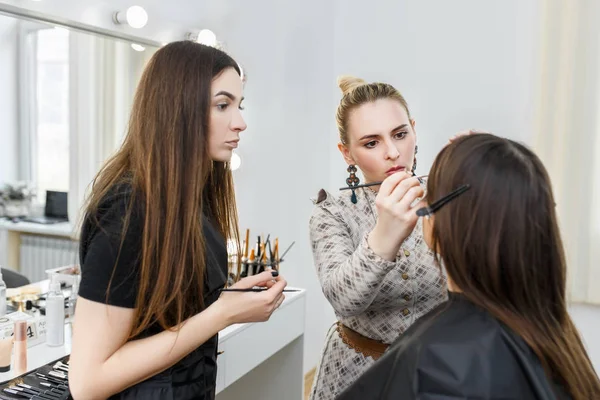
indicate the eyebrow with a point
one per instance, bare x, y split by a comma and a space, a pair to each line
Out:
377, 135
225, 93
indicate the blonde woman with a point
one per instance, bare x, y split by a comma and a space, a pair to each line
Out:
372, 264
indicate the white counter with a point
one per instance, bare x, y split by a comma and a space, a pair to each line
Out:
258, 360
62, 229
11, 234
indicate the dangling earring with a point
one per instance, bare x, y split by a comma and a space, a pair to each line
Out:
414, 167
352, 181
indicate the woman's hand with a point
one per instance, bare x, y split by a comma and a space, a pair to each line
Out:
240, 307
396, 214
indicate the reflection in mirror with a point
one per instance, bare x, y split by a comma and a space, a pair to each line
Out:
64, 107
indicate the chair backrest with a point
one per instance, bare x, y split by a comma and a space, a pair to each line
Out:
13, 279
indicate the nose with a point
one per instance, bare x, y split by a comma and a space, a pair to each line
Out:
391, 152
237, 122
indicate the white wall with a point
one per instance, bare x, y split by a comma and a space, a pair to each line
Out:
587, 320
460, 64
8, 104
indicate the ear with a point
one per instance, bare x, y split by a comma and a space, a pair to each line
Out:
413, 123
346, 154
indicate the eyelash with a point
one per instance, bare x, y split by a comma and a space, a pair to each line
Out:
402, 133
223, 107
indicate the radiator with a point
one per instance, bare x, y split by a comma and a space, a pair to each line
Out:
39, 253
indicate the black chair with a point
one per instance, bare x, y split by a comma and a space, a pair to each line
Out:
13, 279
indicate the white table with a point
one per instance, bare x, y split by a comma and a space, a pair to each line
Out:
258, 361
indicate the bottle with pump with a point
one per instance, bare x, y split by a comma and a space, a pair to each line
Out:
2, 295
55, 315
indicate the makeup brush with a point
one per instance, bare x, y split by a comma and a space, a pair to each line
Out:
246, 243
285, 252
58, 374
36, 392
276, 254
16, 392
58, 387
255, 289
270, 251
50, 379
420, 178
61, 368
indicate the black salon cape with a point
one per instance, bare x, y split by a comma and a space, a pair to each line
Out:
457, 351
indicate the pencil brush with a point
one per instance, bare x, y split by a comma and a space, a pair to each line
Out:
246, 243
270, 250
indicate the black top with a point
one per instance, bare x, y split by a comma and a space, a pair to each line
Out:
195, 375
457, 351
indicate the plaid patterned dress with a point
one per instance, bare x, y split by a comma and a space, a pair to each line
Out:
377, 298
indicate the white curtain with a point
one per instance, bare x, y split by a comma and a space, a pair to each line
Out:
567, 136
103, 76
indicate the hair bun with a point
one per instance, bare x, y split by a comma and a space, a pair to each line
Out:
348, 83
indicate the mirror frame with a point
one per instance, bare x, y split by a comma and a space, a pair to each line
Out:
36, 16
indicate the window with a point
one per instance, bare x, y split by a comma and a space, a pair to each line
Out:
49, 135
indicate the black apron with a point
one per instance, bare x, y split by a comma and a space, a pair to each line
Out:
457, 351
194, 376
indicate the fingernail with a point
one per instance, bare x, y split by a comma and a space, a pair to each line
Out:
275, 273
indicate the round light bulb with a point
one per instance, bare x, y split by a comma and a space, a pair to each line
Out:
137, 47
137, 17
207, 37
235, 162
242, 73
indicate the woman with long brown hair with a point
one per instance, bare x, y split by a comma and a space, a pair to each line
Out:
505, 332
153, 243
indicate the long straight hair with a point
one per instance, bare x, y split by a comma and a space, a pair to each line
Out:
501, 246
164, 159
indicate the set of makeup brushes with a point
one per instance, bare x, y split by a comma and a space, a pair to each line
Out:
53, 385
263, 256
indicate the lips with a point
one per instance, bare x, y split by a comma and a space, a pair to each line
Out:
393, 170
233, 143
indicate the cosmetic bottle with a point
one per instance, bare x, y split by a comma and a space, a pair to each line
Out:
2, 295
55, 315
20, 347
72, 302
6, 349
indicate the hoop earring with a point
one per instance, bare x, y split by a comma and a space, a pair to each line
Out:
352, 181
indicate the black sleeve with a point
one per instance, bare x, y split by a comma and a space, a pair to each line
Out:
105, 260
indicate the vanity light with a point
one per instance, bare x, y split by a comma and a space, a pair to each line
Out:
135, 16
137, 47
235, 162
205, 36
243, 75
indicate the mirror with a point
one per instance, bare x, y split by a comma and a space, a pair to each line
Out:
64, 107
